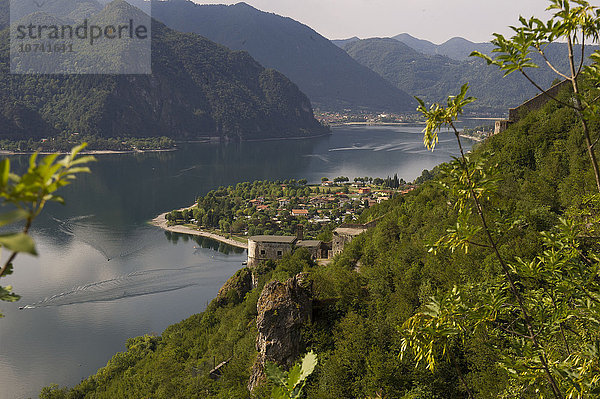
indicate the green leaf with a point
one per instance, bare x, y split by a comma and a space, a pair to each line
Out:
18, 242
275, 374
7, 295
293, 377
9, 270
4, 172
12, 216
308, 365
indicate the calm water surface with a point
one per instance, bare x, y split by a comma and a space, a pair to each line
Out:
104, 275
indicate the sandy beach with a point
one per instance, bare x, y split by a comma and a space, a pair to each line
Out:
161, 222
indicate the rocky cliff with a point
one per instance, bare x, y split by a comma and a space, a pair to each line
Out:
283, 308
235, 289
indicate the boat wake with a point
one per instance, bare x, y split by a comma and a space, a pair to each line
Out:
111, 243
131, 285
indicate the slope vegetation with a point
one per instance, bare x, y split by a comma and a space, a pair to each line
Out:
357, 310
197, 89
330, 78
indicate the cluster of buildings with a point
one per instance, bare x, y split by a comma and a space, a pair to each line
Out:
320, 208
269, 247
337, 118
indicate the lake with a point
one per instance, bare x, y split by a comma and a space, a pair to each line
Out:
104, 275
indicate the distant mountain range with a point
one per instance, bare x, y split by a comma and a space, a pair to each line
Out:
197, 89
433, 72
456, 48
327, 74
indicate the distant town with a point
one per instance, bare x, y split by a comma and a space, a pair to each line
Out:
349, 117
279, 207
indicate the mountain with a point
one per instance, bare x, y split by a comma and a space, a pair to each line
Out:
4, 14
456, 48
65, 9
342, 42
197, 89
434, 77
330, 78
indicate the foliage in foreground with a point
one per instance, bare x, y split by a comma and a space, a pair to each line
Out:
289, 384
25, 196
545, 312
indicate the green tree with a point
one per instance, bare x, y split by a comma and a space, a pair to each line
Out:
26, 195
542, 309
573, 21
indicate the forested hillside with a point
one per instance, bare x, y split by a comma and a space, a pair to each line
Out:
197, 89
431, 76
457, 48
329, 77
382, 278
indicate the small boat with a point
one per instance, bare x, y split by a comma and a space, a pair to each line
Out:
244, 263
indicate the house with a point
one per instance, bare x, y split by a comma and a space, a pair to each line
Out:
261, 248
299, 212
346, 233
319, 203
327, 183
283, 202
364, 190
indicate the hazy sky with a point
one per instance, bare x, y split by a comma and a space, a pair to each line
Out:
434, 20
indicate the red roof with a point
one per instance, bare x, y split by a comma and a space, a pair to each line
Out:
299, 212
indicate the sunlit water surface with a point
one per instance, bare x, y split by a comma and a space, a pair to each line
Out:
104, 275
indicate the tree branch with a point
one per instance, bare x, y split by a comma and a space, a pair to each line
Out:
545, 92
12, 256
582, 55
549, 63
505, 268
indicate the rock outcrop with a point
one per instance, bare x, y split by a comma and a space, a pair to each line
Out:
235, 289
283, 308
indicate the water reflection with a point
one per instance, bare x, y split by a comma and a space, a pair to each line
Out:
203, 243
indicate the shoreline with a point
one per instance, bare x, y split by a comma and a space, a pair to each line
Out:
477, 139
89, 152
161, 222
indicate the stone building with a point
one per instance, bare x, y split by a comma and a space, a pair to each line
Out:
533, 104
262, 248
345, 234
268, 247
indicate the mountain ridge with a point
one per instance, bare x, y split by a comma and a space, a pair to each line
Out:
324, 72
197, 89
433, 77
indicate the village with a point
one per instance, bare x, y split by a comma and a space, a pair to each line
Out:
271, 218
